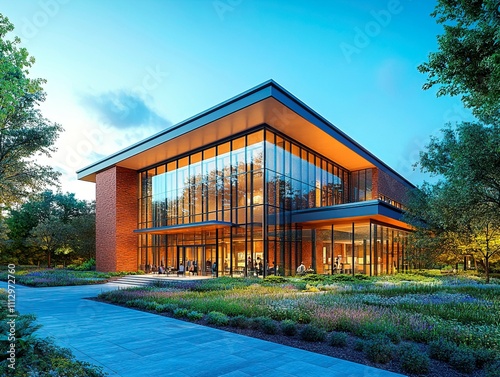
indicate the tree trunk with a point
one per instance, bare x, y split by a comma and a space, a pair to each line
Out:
48, 259
487, 268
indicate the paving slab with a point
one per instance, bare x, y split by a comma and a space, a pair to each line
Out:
131, 343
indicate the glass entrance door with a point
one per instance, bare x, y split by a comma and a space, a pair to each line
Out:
197, 259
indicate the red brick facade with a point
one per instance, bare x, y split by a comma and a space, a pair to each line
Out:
384, 184
116, 219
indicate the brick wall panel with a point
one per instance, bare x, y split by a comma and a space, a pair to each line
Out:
388, 186
116, 219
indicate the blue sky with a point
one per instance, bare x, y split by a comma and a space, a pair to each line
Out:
120, 70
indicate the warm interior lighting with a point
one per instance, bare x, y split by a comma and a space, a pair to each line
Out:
257, 199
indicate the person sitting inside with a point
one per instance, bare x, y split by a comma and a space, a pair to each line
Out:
181, 270
270, 269
301, 270
161, 270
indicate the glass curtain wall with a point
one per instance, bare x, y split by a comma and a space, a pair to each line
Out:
247, 188
221, 183
357, 248
296, 178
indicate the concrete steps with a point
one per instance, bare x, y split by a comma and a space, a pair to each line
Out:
145, 280
137, 280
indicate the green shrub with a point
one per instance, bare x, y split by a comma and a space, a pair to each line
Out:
217, 318
315, 278
484, 356
289, 327
379, 350
311, 333
240, 322
88, 265
463, 360
265, 324
25, 326
341, 278
180, 313
393, 335
193, 315
362, 277
268, 326
492, 369
441, 350
359, 345
275, 279
413, 360
338, 339
166, 308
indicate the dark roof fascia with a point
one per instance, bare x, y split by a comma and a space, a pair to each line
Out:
340, 211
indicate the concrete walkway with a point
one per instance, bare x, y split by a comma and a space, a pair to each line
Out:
131, 343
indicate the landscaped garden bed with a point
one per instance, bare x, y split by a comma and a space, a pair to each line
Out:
58, 277
411, 324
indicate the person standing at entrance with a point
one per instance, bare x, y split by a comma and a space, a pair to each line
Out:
250, 267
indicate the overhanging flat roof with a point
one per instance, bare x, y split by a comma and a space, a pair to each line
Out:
341, 213
268, 103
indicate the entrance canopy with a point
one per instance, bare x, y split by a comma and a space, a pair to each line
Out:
192, 227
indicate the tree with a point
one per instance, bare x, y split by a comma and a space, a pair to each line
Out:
24, 132
481, 235
51, 235
51, 225
461, 213
468, 61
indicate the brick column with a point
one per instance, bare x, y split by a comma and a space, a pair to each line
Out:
116, 219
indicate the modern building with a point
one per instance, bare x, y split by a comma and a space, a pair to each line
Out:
260, 182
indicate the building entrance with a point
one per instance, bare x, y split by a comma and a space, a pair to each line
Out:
197, 259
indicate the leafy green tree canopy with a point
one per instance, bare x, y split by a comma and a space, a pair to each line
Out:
468, 61
468, 157
50, 224
461, 213
24, 133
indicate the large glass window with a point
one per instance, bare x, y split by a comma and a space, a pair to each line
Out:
306, 179
250, 185
361, 185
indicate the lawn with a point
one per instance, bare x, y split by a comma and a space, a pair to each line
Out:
416, 324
